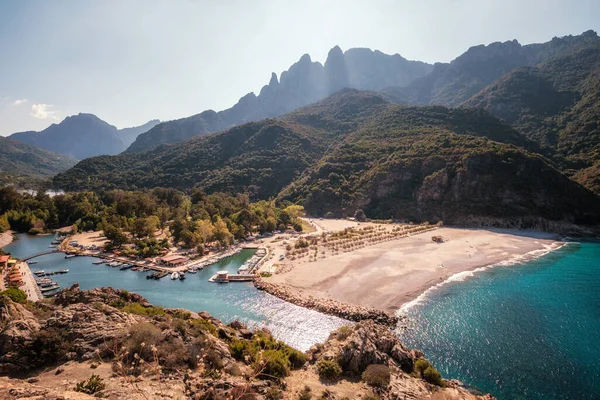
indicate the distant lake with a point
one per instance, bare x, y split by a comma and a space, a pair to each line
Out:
295, 325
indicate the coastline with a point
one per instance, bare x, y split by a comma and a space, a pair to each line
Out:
397, 274
6, 238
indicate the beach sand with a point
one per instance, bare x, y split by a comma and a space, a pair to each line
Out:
387, 275
6, 238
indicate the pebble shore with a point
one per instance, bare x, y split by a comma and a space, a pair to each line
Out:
328, 306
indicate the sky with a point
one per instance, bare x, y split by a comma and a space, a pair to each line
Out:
130, 61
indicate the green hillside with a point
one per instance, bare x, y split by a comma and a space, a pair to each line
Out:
19, 160
354, 150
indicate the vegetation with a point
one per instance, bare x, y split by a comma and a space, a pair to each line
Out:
328, 370
16, 295
92, 385
355, 154
426, 371
193, 221
22, 160
377, 375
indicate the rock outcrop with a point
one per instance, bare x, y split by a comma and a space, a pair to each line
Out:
149, 352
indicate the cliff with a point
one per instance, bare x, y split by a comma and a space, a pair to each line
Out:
114, 344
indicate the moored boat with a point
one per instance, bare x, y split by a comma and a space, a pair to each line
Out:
174, 276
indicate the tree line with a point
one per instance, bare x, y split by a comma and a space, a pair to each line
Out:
191, 221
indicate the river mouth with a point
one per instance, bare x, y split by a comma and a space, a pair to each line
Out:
296, 326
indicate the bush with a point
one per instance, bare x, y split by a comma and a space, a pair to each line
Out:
274, 394
48, 346
16, 295
296, 358
273, 364
93, 385
343, 332
377, 375
433, 376
305, 394
266, 274
201, 326
329, 370
427, 372
141, 338
138, 309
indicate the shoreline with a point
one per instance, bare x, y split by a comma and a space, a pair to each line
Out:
397, 274
471, 273
6, 238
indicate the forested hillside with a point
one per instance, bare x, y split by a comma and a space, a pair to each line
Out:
556, 104
19, 160
355, 150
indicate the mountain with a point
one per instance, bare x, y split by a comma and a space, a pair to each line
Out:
304, 83
128, 135
355, 150
450, 84
19, 160
81, 136
557, 104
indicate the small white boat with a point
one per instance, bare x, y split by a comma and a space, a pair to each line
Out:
174, 276
192, 270
98, 262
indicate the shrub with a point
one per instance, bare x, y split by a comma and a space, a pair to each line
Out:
16, 295
343, 332
182, 314
329, 370
433, 376
273, 364
305, 394
201, 326
426, 371
265, 274
274, 394
92, 385
48, 346
242, 393
213, 360
141, 338
296, 358
138, 309
377, 375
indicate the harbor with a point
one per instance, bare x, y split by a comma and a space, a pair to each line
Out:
241, 301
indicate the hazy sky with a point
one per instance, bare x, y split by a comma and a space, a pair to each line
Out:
129, 61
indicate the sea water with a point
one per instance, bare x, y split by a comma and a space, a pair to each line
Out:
524, 331
297, 326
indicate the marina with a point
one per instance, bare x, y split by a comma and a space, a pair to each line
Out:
294, 325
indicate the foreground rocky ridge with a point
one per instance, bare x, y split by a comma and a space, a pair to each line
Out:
140, 351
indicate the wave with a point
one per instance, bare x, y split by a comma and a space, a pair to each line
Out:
464, 275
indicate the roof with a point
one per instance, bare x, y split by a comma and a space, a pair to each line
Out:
4, 259
173, 257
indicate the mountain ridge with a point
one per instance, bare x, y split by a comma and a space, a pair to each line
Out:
82, 135
303, 83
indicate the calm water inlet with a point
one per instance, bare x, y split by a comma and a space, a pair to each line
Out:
295, 325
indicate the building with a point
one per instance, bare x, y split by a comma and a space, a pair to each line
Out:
173, 260
221, 276
4, 261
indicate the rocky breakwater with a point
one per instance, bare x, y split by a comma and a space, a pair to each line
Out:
328, 306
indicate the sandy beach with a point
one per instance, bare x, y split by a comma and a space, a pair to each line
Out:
6, 238
387, 275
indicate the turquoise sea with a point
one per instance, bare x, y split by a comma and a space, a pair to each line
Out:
526, 331
295, 325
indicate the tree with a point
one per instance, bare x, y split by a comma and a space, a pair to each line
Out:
144, 227
4, 225
205, 230
360, 215
115, 235
177, 228
222, 234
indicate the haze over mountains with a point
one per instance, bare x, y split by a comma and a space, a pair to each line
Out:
83, 135
502, 132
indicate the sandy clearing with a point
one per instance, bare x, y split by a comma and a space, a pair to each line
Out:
389, 274
6, 238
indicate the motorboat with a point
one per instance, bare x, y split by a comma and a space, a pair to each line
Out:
174, 276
